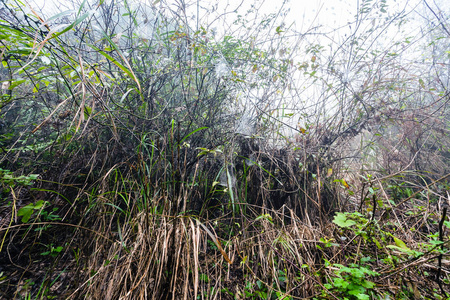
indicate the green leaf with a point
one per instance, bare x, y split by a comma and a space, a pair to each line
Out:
33, 176
16, 83
447, 224
434, 242
77, 21
368, 284
400, 243
230, 189
265, 217
340, 219
82, 5
407, 251
62, 14
422, 84
196, 130
87, 111
39, 204
357, 291
128, 70
341, 283
362, 296
113, 60
26, 213
377, 243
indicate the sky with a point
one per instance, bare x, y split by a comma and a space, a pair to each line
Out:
299, 15
331, 14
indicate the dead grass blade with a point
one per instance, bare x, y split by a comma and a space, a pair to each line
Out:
215, 239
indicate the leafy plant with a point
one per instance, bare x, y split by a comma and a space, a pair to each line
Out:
52, 250
351, 282
150, 121
28, 210
7, 178
347, 220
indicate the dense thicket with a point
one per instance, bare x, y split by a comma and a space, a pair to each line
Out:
148, 154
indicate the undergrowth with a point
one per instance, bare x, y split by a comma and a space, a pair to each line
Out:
143, 166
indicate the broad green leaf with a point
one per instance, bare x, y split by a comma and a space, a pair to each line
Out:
434, 242
341, 220
39, 204
377, 243
447, 224
400, 243
26, 213
407, 251
368, 284
22, 50
16, 83
11, 31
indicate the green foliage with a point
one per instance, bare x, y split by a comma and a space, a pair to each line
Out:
342, 220
266, 217
350, 282
399, 191
52, 250
7, 178
260, 290
28, 210
347, 220
142, 131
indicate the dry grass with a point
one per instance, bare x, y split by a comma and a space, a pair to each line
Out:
156, 255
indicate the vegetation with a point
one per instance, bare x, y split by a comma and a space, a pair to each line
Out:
145, 154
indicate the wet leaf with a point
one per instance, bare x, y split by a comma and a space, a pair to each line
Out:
341, 220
